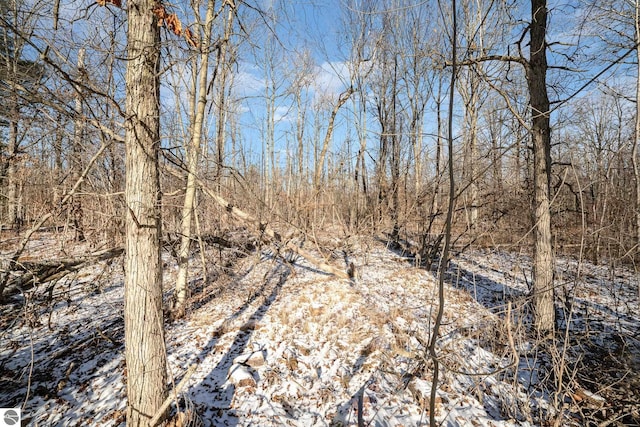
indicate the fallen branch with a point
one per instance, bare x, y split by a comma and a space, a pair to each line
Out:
23, 244
172, 396
266, 230
4, 279
49, 270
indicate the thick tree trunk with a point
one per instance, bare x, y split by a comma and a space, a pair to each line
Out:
15, 218
143, 317
541, 139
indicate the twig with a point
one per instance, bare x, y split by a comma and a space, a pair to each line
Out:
31, 363
444, 259
156, 419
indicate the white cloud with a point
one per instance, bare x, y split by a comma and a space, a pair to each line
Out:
246, 83
331, 78
282, 114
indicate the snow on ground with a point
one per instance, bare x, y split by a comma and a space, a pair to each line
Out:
279, 343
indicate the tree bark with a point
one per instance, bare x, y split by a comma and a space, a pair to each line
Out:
10, 54
636, 138
223, 69
76, 153
143, 318
344, 96
541, 138
193, 159
469, 90
14, 210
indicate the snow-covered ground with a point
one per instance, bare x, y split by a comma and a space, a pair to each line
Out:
278, 343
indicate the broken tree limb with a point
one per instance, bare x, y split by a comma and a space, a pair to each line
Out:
269, 232
14, 259
172, 396
4, 279
342, 99
35, 272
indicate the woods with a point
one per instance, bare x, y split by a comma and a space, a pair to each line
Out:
193, 142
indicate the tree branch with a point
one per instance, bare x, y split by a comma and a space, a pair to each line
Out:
489, 58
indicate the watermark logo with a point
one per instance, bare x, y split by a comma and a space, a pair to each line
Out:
10, 417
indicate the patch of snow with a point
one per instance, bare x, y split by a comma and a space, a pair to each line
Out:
282, 344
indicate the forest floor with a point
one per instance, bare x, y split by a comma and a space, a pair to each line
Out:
275, 342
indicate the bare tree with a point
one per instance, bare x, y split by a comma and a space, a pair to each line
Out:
358, 25
274, 83
193, 160
636, 137
418, 77
143, 317
617, 24
225, 59
386, 93
470, 89
535, 68
76, 150
16, 74
597, 136
536, 73
342, 99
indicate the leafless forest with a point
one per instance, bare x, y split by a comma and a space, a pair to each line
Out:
389, 168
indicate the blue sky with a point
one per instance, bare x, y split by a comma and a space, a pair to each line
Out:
316, 27
308, 25
301, 27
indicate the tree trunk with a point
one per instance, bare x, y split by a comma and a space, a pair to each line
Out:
143, 318
300, 125
14, 209
14, 217
396, 142
636, 138
469, 90
76, 153
222, 103
416, 143
317, 177
193, 159
438, 160
541, 139
497, 154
